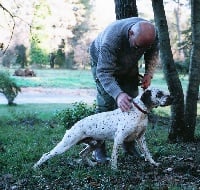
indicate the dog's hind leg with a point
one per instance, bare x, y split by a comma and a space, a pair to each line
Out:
67, 142
143, 146
89, 148
84, 155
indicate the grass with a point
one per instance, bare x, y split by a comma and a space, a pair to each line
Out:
29, 130
23, 143
57, 78
43, 111
76, 79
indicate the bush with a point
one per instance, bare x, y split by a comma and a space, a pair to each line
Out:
70, 116
8, 87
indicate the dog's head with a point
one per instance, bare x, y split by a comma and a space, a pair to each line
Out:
153, 97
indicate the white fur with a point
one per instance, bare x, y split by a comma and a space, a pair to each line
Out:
114, 125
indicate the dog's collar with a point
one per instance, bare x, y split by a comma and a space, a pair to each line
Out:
139, 108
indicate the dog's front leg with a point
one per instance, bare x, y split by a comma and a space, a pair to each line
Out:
143, 146
117, 143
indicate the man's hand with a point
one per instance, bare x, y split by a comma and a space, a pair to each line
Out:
146, 81
124, 101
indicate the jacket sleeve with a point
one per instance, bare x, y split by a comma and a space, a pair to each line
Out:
105, 70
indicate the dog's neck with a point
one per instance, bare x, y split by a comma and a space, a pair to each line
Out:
137, 102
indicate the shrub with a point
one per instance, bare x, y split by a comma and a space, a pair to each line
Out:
70, 116
8, 87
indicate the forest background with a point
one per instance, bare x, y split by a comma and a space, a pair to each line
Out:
36, 33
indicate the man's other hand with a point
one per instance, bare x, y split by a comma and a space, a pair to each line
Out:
146, 81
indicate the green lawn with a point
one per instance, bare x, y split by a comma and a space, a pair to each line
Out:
57, 78
27, 131
76, 79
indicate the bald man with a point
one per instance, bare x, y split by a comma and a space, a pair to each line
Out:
114, 62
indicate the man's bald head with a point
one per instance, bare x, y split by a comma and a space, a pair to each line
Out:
142, 34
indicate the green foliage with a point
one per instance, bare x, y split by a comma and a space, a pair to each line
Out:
39, 37
21, 55
186, 44
37, 54
70, 60
60, 54
70, 116
42, 9
8, 87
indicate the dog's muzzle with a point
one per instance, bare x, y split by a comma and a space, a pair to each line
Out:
166, 101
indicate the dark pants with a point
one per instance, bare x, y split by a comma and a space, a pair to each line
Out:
107, 103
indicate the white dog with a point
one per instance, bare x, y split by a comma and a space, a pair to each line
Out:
113, 125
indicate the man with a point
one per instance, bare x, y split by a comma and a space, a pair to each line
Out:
114, 61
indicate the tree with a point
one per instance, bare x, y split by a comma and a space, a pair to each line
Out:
177, 109
21, 55
38, 49
82, 11
60, 54
8, 87
125, 9
13, 27
39, 26
183, 115
194, 79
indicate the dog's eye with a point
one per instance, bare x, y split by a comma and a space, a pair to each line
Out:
159, 94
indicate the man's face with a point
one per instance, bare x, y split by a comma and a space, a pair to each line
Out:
133, 41
141, 39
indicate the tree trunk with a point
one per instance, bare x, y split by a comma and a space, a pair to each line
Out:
171, 75
194, 78
125, 9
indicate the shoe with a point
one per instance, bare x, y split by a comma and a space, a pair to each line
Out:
130, 149
99, 154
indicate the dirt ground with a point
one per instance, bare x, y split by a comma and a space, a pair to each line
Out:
52, 95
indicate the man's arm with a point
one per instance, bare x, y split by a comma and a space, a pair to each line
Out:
105, 70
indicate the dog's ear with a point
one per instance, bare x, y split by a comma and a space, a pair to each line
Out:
146, 98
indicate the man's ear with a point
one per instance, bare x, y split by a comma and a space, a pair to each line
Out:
130, 33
